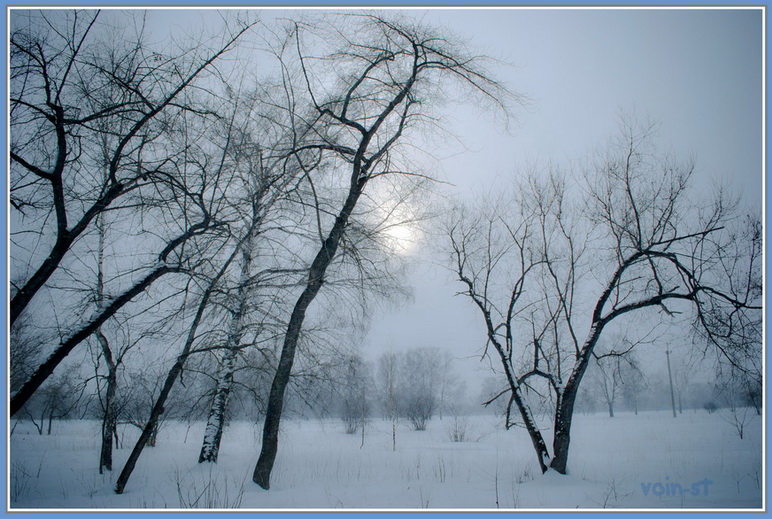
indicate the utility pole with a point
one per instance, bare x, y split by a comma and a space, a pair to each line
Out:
670, 376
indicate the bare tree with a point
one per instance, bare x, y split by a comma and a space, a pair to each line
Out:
663, 253
354, 397
79, 93
490, 253
614, 373
112, 355
382, 80
634, 383
217, 256
608, 382
270, 172
157, 408
421, 372
388, 382
56, 69
730, 387
57, 400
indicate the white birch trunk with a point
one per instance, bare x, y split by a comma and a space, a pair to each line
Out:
216, 421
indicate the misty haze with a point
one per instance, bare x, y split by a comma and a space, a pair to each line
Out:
407, 259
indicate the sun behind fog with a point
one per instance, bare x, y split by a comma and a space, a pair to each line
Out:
401, 239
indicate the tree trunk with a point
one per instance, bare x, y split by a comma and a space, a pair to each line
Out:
564, 410
109, 418
210, 447
262, 472
47, 368
562, 440
610, 409
150, 431
171, 378
537, 439
216, 422
109, 426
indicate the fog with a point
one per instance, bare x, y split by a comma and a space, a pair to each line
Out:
696, 72
391, 222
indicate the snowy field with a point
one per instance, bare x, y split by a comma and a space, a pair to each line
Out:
625, 462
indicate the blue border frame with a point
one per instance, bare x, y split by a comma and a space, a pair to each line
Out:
319, 3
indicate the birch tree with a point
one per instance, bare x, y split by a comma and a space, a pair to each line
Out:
271, 173
242, 186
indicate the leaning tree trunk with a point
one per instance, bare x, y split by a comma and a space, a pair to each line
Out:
564, 411
150, 430
210, 447
262, 472
65, 347
533, 431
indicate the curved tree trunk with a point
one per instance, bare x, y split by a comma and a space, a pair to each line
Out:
262, 472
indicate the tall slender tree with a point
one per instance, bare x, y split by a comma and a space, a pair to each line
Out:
385, 74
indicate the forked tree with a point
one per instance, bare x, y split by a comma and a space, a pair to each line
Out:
644, 245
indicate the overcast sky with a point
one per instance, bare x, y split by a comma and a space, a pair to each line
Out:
697, 72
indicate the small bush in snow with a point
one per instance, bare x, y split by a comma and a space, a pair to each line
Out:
457, 429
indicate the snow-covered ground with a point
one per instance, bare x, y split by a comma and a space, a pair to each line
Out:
623, 462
